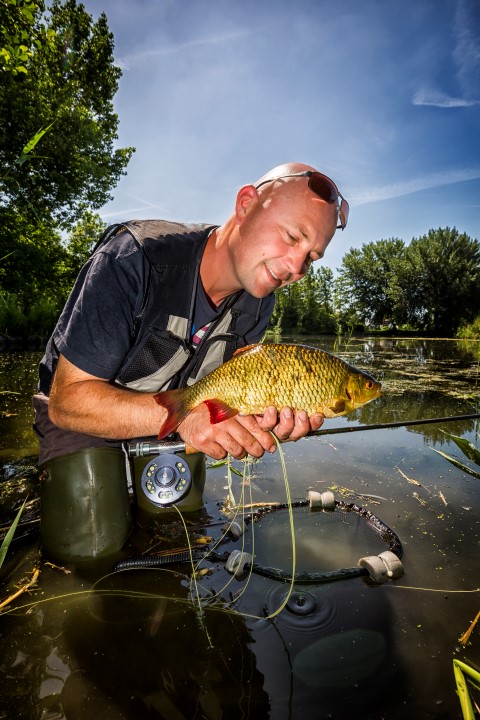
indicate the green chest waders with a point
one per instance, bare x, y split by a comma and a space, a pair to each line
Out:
86, 510
85, 506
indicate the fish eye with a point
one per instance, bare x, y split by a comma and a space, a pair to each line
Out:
369, 384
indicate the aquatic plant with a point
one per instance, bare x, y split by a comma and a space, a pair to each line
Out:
468, 449
9, 536
466, 675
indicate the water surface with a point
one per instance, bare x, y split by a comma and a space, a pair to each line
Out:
357, 650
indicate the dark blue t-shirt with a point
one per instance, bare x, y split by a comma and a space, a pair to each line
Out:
95, 329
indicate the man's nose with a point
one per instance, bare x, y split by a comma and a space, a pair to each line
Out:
297, 262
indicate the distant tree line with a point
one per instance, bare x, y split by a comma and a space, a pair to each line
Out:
431, 284
59, 162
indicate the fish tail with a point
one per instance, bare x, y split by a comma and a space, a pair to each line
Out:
174, 403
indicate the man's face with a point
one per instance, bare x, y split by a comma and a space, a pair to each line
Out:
283, 231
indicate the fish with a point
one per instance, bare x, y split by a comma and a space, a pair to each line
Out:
266, 374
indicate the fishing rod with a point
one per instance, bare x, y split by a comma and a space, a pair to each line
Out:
386, 426
142, 449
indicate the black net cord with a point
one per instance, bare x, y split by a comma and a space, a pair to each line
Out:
388, 535
310, 578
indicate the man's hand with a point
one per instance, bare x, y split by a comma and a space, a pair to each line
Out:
242, 435
288, 425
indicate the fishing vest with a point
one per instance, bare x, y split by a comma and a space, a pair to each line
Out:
161, 356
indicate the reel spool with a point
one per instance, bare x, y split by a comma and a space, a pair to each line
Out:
162, 478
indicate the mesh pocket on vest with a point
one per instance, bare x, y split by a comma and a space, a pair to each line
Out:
154, 354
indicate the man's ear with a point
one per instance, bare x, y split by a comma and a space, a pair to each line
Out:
247, 198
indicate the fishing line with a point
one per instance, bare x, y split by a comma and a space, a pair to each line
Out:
439, 590
289, 506
194, 577
292, 532
85, 594
142, 595
231, 498
246, 477
234, 515
133, 594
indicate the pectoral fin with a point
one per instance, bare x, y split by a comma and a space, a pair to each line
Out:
338, 407
219, 410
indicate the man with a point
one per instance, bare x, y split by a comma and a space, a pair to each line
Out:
160, 304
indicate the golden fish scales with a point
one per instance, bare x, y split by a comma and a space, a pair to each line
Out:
279, 375
293, 376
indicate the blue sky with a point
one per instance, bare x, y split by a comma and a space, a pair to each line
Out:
382, 95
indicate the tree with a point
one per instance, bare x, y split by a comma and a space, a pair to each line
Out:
437, 284
314, 304
31, 255
70, 81
83, 238
364, 284
285, 314
20, 31
306, 307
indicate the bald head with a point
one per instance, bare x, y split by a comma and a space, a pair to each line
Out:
282, 170
276, 231
282, 177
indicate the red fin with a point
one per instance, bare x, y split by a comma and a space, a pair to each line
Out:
219, 411
247, 348
174, 403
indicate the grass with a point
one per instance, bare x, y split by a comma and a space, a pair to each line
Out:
9, 536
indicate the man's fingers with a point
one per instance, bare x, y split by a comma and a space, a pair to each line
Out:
316, 421
286, 424
248, 434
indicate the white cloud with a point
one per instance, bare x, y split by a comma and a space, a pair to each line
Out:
466, 55
438, 99
128, 61
414, 185
465, 61
128, 212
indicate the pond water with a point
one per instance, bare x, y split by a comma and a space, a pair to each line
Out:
150, 643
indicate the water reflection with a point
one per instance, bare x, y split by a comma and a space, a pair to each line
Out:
363, 652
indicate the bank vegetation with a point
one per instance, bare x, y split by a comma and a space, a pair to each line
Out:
60, 161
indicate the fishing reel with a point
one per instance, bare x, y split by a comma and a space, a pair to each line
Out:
164, 476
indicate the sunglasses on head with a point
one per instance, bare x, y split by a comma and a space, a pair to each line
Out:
322, 186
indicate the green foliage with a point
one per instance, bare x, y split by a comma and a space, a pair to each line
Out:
9, 536
83, 238
37, 275
432, 284
70, 81
57, 137
33, 322
20, 33
470, 330
364, 284
468, 449
437, 284
306, 307
36, 255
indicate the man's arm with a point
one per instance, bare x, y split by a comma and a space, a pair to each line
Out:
84, 403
